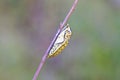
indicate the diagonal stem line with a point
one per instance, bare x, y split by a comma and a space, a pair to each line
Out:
69, 14
53, 41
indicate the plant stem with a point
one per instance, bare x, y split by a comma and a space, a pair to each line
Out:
54, 39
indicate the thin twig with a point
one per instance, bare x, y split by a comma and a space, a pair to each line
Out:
54, 39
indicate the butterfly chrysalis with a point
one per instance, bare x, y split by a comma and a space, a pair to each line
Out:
61, 41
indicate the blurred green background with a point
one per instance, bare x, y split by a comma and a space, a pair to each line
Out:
28, 26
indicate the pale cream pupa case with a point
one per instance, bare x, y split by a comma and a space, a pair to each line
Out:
61, 41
